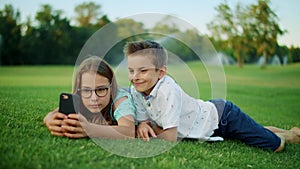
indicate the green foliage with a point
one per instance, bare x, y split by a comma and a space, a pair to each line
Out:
10, 35
270, 96
87, 13
295, 54
50, 39
250, 31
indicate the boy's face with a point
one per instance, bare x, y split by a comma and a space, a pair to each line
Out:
143, 74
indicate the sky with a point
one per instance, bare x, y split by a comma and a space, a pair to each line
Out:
196, 12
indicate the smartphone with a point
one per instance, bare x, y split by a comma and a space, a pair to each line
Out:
69, 103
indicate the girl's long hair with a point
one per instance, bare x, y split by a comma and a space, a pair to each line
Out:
99, 66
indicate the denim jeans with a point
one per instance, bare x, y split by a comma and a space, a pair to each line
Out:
235, 124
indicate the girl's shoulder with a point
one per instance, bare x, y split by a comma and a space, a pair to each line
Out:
123, 104
122, 92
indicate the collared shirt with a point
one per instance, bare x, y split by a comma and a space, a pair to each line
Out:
169, 106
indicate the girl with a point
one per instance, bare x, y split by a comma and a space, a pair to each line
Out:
105, 111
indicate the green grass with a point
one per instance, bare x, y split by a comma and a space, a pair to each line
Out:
271, 96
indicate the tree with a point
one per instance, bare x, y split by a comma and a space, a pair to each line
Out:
102, 21
295, 54
10, 32
231, 31
52, 32
122, 31
28, 41
129, 27
168, 34
265, 28
87, 13
166, 26
252, 30
226, 28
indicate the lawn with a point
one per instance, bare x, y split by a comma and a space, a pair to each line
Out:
271, 96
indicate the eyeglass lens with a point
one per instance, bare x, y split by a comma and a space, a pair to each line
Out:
100, 92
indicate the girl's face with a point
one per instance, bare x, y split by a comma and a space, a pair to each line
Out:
95, 91
143, 74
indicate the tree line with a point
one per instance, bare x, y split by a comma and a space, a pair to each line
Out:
245, 33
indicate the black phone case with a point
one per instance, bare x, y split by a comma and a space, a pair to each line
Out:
68, 103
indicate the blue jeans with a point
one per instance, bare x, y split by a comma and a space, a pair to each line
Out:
235, 124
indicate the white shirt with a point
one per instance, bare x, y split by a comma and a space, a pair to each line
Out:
169, 106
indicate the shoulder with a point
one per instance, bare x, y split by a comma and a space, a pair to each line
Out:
168, 85
122, 92
122, 95
123, 104
168, 81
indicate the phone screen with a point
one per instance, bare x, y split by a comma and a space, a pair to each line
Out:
68, 103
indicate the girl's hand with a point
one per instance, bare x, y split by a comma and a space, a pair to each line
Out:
72, 127
54, 120
143, 131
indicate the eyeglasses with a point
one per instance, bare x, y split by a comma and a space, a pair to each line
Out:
100, 91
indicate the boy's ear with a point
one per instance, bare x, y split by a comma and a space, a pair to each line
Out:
162, 71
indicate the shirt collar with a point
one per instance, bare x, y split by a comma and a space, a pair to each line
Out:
156, 88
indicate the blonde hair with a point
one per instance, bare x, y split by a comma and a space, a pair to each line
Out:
147, 48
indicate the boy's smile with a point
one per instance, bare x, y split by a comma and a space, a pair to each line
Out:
136, 84
142, 73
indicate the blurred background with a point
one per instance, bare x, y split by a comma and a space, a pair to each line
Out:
242, 32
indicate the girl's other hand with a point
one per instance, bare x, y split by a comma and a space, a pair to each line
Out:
54, 120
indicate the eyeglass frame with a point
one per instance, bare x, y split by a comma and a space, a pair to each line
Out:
94, 90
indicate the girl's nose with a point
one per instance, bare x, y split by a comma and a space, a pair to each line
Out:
94, 97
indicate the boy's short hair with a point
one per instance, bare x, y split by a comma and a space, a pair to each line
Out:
147, 48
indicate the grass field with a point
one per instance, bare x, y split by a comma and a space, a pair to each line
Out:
271, 96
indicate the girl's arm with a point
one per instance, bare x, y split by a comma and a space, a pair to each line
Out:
79, 127
124, 130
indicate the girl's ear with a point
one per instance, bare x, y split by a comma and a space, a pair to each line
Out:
162, 71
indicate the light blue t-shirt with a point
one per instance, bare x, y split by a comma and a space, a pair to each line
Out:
126, 107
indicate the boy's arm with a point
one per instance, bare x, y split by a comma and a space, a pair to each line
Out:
144, 129
169, 134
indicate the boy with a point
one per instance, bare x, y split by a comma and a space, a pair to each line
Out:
164, 110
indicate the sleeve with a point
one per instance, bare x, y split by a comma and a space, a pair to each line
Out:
126, 107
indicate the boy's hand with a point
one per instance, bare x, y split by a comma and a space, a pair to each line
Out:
143, 131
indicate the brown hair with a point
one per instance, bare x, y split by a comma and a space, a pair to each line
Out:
147, 48
99, 66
